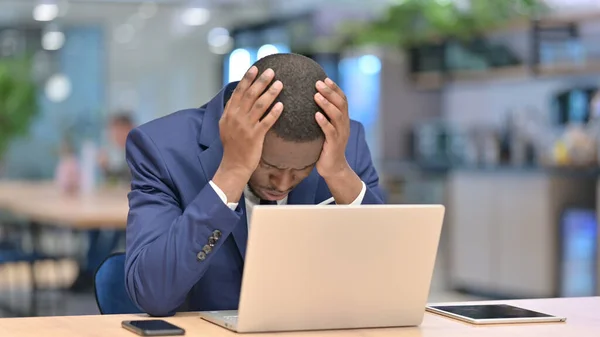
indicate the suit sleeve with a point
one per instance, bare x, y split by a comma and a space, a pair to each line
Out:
168, 248
366, 171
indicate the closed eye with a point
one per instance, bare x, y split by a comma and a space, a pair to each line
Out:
264, 163
268, 165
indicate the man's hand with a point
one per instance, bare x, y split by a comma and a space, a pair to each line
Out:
337, 130
343, 182
243, 132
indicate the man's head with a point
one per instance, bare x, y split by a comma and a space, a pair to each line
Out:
119, 126
293, 145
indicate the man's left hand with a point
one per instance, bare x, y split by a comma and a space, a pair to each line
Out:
343, 182
337, 129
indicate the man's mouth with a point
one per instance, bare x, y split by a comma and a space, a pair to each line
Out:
273, 196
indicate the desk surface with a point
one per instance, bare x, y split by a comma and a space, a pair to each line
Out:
583, 320
44, 203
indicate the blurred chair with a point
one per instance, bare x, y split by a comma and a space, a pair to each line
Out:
13, 252
109, 287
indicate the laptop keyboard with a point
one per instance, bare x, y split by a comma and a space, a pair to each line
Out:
231, 318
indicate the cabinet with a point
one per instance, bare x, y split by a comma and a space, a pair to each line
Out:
503, 229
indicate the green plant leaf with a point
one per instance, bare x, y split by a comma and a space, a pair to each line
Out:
413, 22
18, 104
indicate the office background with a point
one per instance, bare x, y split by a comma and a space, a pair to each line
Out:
501, 126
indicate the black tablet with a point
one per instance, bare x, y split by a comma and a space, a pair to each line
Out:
493, 314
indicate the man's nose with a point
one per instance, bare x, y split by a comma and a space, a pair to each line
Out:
282, 181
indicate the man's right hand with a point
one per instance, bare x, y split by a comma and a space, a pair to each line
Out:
243, 131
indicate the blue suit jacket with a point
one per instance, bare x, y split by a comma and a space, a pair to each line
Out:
174, 211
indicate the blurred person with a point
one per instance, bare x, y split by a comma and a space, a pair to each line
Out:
114, 169
67, 173
111, 159
282, 135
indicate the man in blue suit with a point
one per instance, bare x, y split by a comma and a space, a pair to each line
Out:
282, 135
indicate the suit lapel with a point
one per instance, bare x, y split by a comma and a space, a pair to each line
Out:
211, 153
240, 231
305, 192
210, 159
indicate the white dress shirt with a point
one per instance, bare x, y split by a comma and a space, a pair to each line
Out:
252, 200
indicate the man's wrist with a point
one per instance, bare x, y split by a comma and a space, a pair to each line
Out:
235, 167
345, 186
341, 175
232, 182
338, 170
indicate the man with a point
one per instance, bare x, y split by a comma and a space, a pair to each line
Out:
112, 158
280, 135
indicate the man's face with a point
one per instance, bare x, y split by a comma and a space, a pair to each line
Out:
283, 165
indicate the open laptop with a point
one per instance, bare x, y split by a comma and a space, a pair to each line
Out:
335, 267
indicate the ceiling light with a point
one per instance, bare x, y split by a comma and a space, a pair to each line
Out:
369, 64
266, 50
58, 88
195, 16
53, 40
239, 62
219, 41
218, 36
45, 12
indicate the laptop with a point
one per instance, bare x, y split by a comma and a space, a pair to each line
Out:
335, 267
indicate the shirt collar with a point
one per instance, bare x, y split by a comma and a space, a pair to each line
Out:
255, 200
251, 197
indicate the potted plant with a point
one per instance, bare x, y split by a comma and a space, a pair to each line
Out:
18, 104
411, 23
434, 32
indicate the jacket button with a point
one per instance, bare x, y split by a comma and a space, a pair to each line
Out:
217, 234
212, 241
206, 249
201, 256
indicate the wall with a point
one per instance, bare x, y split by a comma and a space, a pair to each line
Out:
402, 106
166, 67
489, 102
34, 156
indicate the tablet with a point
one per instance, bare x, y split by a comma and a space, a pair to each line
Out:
493, 314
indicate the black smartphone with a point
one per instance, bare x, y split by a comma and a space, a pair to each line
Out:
153, 327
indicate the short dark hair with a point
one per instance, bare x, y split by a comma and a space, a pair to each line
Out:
299, 75
121, 118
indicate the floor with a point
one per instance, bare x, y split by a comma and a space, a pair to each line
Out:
14, 290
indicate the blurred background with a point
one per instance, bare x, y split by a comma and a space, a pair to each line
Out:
489, 107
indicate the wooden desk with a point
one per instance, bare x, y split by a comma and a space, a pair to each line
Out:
583, 320
42, 202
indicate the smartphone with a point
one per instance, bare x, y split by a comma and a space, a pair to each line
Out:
153, 327
493, 314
